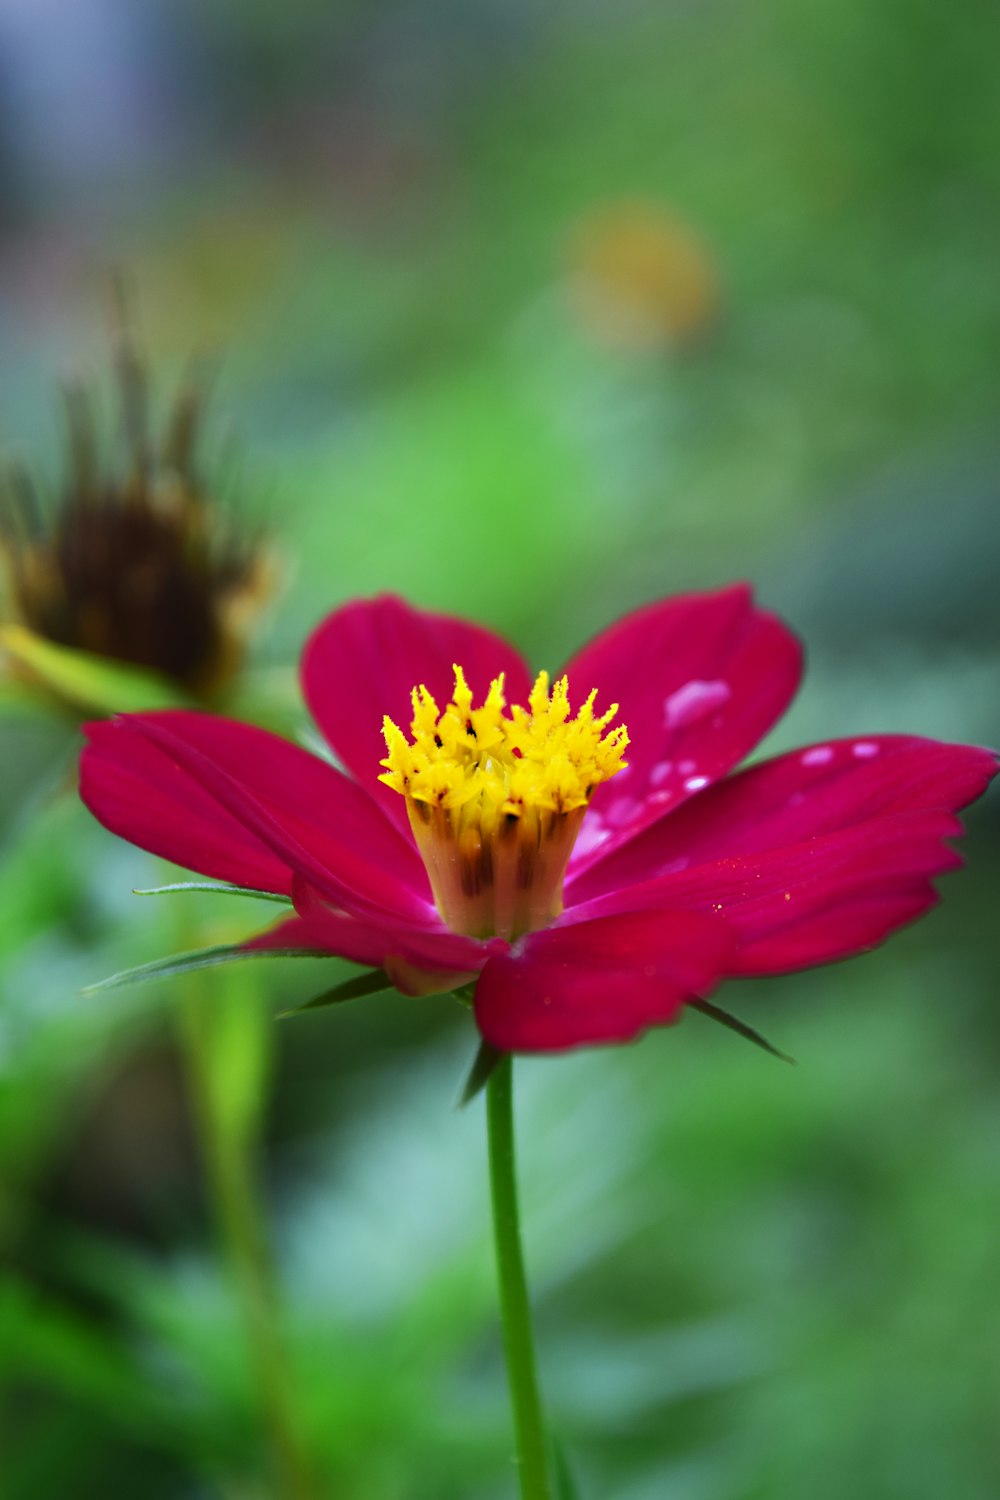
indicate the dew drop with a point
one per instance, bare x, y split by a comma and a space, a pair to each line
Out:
591, 836
694, 701
864, 749
623, 811
661, 772
819, 755
695, 783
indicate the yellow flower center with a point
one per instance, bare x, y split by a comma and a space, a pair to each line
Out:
496, 799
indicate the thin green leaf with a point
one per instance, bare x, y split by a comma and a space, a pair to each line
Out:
184, 963
733, 1023
371, 983
217, 888
483, 1064
93, 683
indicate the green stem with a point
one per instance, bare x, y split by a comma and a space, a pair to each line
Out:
229, 1158
515, 1313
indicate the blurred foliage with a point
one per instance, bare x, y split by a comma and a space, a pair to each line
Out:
753, 1282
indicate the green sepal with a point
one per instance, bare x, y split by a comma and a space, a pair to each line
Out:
185, 963
733, 1023
479, 1075
95, 684
374, 982
217, 888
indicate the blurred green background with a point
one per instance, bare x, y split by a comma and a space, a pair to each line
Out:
530, 313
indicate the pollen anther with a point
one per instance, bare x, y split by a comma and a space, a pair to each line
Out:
496, 797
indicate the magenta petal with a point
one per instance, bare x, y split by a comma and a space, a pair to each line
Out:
601, 981
319, 823
353, 941
432, 946
699, 680
824, 898
804, 795
363, 662
139, 793
306, 789
809, 857
362, 943
852, 924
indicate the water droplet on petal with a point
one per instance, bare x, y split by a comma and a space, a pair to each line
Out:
695, 783
591, 836
623, 810
864, 749
819, 755
693, 701
661, 772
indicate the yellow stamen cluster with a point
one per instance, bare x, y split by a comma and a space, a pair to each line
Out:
496, 799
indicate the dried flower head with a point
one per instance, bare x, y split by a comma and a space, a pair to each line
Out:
137, 561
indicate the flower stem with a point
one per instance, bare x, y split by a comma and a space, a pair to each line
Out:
226, 1126
515, 1313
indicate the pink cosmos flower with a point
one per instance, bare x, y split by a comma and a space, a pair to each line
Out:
589, 892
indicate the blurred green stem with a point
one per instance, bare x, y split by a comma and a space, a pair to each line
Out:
515, 1313
227, 1139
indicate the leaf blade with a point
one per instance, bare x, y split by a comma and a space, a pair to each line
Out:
566, 1488
733, 1023
483, 1064
186, 963
374, 982
217, 888
94, 683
